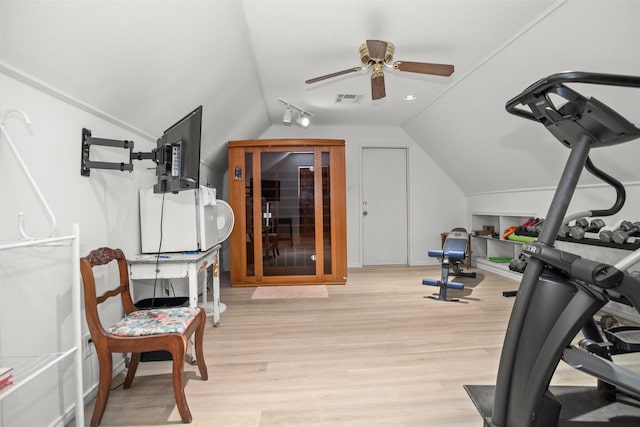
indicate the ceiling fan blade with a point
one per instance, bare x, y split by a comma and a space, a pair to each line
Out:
424, 68
377, 49
336, 74
378, 90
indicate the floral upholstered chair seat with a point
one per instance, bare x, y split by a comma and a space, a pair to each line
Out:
155, 321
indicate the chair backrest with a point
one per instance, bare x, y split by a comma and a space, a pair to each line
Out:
97, 257
456, 240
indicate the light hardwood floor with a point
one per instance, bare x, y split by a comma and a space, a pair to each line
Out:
374, 353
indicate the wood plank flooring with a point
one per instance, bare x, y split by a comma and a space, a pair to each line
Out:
375, 353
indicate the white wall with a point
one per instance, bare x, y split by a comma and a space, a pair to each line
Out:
470, 117
34, 289
537, 201
436, 203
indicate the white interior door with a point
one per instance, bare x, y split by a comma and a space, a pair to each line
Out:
384, 206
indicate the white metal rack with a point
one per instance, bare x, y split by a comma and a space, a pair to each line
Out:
27, 368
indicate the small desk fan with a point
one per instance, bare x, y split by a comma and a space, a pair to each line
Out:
225, 220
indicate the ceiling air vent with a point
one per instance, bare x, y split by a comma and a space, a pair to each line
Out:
344, 98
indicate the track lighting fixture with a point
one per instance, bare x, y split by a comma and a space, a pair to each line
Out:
304, 117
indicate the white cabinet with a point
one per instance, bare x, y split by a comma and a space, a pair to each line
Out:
27, 368
485, 247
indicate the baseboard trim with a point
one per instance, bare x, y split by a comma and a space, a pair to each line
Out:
89, 395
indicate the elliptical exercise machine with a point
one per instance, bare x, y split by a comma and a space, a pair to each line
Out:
560, 292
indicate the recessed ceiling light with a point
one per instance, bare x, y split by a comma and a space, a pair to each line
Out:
409, 97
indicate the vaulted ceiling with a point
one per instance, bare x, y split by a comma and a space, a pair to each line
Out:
146, 63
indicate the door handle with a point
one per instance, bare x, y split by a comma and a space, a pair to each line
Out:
365, 213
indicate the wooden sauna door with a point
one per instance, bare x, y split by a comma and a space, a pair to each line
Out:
289, 200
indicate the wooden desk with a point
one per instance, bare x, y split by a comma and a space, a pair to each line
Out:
180, 266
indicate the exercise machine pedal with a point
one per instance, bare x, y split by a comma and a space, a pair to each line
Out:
625, 339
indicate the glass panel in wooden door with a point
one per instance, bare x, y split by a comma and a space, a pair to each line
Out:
288, 213
250, 236
326, 213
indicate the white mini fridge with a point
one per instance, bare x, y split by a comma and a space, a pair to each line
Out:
180, 222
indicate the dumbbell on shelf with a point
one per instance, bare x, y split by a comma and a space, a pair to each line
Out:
528, 227
621, 236
578, 232
607, 235
536, 228
565, 229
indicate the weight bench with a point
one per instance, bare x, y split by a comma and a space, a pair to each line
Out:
453, 252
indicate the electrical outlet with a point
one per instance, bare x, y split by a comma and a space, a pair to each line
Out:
87, 346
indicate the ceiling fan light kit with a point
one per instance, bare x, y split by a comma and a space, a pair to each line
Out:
304, 117
377, 54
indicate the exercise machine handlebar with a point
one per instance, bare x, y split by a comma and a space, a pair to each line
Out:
589, 272
555, 82
580, 116
621, 194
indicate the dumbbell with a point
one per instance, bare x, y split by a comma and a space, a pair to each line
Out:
524, 227
621, 236
607, 235
566, 228
579, 232
536, 228
519, 264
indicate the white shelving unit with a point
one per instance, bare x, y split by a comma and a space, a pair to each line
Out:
485, 247
28, 368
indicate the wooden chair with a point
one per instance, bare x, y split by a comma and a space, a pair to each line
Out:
139, 331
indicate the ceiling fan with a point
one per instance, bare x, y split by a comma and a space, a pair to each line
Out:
377, 54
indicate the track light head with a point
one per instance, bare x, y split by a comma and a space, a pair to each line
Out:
287, 116
303, 120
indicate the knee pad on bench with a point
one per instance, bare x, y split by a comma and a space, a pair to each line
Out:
450, 285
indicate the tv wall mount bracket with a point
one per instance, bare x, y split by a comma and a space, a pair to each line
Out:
86, 164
